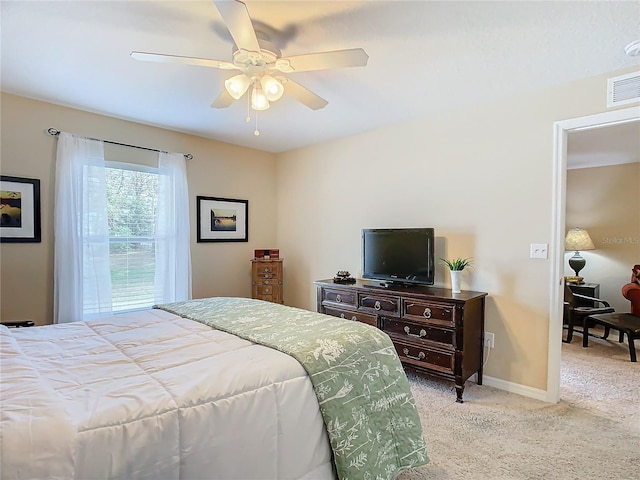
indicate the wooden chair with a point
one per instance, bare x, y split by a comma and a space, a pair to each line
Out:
577, 315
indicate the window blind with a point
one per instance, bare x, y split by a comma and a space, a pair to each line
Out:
131, 204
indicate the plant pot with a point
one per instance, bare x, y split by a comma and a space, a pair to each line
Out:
456, 278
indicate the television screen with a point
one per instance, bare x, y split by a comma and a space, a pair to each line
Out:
399, 255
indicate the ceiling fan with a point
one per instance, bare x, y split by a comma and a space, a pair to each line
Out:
261, 65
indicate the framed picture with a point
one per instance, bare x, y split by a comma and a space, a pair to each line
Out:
19, 210
222, 219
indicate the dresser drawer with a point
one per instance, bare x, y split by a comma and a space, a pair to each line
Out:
431, 312
350, 315
344, 297
266, 268
379, 303
420, 356
401, 330
262, 289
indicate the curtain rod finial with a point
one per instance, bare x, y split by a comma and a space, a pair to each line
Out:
53, 131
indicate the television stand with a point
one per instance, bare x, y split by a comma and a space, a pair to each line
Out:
433, 330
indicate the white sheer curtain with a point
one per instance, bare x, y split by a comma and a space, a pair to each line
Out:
82, 280
173, 255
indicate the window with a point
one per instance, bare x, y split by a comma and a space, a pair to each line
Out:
132, 200
121, 236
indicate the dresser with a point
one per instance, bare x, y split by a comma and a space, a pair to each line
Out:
433, 330
266, 279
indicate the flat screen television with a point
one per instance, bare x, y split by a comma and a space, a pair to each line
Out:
399, 255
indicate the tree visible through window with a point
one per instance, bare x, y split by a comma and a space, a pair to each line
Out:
132, 198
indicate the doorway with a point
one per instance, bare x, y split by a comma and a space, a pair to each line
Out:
561, 132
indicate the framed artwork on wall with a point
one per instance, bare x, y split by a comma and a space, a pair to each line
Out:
222, 219
19, 210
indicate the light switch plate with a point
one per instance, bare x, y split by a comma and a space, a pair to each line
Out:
539, 250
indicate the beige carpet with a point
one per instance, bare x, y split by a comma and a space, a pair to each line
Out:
593, 433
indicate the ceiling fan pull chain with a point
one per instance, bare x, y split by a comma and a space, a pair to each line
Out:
256, 132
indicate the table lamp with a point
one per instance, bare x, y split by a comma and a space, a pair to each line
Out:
578, 239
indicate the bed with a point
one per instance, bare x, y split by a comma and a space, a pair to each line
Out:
225, 388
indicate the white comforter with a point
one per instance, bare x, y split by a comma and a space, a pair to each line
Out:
152, 395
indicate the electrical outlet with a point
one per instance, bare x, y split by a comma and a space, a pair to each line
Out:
489, 340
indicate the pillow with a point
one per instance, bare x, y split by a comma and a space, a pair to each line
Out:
635, 274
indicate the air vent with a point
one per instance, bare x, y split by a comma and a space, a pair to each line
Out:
623, 89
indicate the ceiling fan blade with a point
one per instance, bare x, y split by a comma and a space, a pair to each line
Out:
354, 57
223, 101
236, 18
304, 96
162, 58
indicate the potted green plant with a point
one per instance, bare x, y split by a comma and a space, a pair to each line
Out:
456, 266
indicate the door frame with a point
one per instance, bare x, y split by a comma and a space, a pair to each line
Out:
561, 131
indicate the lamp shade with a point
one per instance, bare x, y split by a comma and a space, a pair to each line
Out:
237, 85
578, 239
259, 100
272, 88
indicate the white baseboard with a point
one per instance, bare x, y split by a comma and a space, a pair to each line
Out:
511, 387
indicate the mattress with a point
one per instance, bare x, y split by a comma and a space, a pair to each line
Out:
153, 395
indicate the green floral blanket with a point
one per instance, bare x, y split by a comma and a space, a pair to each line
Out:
362, 390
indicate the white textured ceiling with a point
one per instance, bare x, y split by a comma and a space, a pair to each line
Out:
425, 57
599, 147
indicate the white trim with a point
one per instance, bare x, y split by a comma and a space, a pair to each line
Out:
130, 166
517, 388
556, 251
511, 387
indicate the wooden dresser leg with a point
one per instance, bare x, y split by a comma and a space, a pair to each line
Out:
459, 392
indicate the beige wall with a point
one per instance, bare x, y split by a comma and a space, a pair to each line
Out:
217, 169
482, 177
606, 202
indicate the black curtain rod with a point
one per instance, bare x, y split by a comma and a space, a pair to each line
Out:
55, 132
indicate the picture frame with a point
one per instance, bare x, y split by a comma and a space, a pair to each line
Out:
19, 210
222, 219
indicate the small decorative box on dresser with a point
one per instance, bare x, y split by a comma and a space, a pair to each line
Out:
434, 331
266, 279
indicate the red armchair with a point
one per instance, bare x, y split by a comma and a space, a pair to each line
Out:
631, 291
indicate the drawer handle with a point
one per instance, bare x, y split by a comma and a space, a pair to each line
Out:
427, 313
339, 298
342, 315
421, 355
422, 334
377, 305
354, 318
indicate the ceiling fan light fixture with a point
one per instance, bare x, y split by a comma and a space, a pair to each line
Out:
272, 88
259, 100
237, 85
